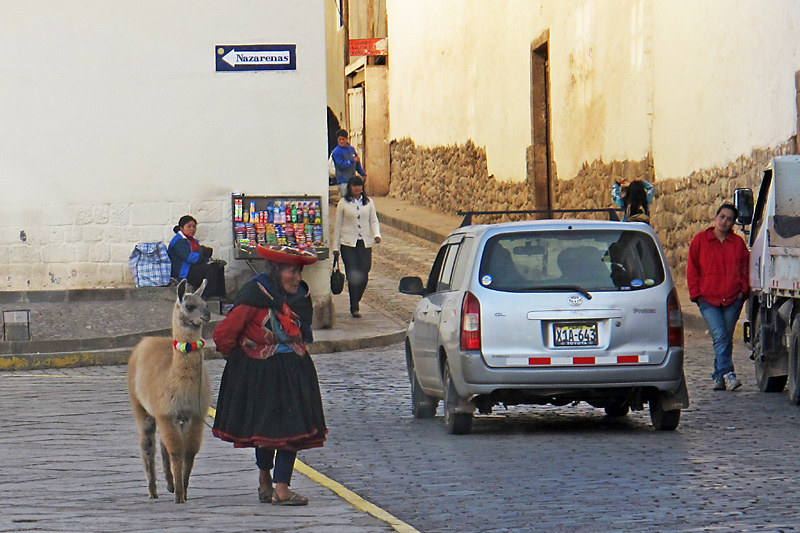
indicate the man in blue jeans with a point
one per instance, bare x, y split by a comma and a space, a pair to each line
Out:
718, 279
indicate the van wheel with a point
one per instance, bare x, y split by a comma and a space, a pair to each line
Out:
663, 420
766, 383
794, 362
617, 410
455, 422
422, 405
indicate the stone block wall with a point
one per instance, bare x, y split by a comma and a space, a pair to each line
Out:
453, 178
88, 246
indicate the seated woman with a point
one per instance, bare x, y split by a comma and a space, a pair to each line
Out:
192, 261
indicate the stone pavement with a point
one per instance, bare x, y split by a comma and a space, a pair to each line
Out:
71, 461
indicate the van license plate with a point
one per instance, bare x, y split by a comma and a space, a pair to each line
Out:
573, 334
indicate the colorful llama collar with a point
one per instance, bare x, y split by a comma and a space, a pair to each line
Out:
187, 347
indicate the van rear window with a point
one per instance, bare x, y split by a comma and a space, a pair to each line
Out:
598, 260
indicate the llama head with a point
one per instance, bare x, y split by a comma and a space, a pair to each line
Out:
191, 311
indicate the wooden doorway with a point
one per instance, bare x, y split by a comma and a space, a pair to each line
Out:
542, 179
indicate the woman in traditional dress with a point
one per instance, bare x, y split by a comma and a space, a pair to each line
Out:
269, 397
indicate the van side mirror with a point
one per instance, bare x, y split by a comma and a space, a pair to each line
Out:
743, 200
412, 285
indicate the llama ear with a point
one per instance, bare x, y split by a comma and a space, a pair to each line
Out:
199, 292
181, 290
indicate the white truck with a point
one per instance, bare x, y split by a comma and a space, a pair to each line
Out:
772, 313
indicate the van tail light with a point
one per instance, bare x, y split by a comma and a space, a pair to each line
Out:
674, 320
470, 323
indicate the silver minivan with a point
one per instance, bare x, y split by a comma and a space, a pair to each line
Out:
547, 312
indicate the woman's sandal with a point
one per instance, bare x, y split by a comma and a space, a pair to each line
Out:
265, 494
293, 499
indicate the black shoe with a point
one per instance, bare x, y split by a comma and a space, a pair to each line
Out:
355, 314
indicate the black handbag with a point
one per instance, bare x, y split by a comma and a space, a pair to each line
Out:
337, 278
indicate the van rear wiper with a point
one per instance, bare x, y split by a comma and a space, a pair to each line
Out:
558, 288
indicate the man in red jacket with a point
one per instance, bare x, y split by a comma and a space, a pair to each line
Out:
717, 275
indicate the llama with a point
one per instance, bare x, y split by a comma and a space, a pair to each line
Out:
170, 391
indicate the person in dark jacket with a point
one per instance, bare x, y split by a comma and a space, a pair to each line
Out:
717, 274
269, 396
192, 261
347, 162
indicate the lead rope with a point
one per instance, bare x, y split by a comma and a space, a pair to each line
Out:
200, 392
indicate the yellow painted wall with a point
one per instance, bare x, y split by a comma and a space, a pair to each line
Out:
696, 84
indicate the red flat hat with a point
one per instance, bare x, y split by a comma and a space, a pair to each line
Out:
286, 254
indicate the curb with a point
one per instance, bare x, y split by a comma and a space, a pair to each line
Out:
345, 345
408, 227
119, 356
111, 355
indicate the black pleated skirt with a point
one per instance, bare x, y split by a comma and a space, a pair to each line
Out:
272, 403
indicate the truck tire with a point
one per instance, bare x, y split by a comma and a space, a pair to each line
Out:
794, 362
765, 382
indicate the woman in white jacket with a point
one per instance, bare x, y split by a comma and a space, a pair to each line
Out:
356, 230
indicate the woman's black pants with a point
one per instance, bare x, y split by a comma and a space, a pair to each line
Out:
213, 273
357, 264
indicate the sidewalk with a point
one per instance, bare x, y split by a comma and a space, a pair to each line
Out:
70, 318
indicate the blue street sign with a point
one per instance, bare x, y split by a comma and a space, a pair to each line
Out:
238, 57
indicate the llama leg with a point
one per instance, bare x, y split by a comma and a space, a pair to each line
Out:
188, 463
165, 463
192, 439
173, 440
177, 473
147, 441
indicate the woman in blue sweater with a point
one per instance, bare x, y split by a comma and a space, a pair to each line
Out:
192, 261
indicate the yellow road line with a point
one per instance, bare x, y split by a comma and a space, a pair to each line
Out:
353, 499
346, 494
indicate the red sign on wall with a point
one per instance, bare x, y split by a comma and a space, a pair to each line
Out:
368, 47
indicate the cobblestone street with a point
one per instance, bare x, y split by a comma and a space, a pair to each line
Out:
730, 466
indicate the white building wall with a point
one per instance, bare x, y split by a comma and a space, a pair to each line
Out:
725, 80
696, 84
114, 123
